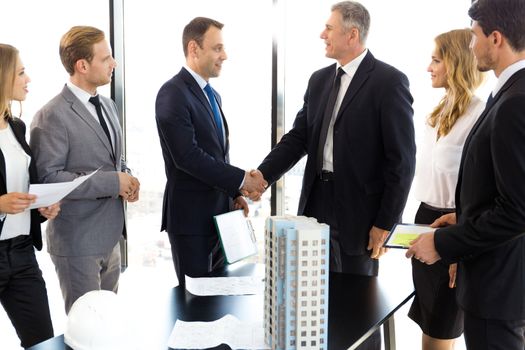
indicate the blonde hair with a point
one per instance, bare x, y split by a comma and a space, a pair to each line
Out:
8, 60
77, 44
463, 78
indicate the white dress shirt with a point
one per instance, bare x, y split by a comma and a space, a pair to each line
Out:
17, 180
437, 160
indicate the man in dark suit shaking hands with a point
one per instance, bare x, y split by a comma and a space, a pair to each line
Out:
359, 138
486, 234
194, 139
356, 128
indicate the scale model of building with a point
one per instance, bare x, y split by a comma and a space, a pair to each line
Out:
296, 291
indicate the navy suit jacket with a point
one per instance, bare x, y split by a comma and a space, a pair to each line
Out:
200, 181
490, 203
373, 149
19, 130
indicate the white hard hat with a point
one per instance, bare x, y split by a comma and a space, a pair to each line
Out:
97, 321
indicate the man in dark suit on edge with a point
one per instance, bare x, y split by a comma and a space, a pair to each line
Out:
356, 128
194, 139
486, 234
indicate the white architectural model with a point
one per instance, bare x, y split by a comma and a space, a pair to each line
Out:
296, 292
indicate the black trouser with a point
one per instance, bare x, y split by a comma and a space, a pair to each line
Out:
23, 291
321, 205
195, 256
483, 334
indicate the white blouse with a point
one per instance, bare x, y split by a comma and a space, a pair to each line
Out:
17, 180
437, 161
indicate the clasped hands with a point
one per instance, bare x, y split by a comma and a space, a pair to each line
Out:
129, 187
254, 185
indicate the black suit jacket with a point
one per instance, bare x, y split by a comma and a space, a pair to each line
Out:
490, 202
373, 148
200, 181
19, 130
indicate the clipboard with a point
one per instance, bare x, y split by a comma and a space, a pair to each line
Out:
236, 235
402, 234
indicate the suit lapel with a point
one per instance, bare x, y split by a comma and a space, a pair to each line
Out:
19, 132
82, 112
488, 108
3, 187
326, 90
476, 126
199, 94
114, 127
359, 78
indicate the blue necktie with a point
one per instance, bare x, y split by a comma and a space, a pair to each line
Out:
216, 112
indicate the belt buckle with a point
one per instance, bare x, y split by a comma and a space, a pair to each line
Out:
326, 175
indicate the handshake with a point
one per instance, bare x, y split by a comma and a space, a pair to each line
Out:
254, 185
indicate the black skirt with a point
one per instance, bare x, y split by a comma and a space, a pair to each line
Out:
434, 307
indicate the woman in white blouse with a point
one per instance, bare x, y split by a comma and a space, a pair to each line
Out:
23, 291
454, 68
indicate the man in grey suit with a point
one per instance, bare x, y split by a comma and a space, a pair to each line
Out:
74, 134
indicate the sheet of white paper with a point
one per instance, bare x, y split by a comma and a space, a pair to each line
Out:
204, 286
226, 330
47, 194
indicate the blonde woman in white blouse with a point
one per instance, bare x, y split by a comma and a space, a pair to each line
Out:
453, 67
22, 289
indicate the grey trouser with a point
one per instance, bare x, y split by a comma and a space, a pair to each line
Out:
81, 274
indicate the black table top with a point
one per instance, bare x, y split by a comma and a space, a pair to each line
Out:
358, 305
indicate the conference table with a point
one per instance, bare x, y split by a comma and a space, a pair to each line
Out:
358, 306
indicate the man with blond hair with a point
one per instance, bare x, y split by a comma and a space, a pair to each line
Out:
76, 133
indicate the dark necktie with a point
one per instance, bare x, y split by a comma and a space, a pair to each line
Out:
329, 111
489, 100
96, 102
216, 112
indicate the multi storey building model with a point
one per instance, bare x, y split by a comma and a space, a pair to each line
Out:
296, 286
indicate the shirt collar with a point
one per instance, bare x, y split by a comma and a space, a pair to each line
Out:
202, 83
506, 74
351, 67
82, 95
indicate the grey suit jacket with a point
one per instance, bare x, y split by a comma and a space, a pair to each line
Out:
68, 142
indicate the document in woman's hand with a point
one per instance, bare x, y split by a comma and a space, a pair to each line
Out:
47, 194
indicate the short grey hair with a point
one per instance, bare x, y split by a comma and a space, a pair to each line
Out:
354, 15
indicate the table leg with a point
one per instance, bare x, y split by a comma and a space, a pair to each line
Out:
389, 329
